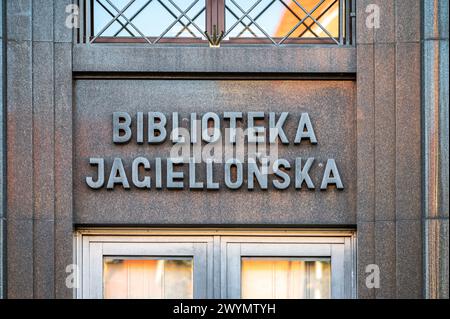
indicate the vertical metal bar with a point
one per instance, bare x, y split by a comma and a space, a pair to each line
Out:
347, 22
210, 5
82, 22
92, 17
214, 15
341, 22
216, 257
221, 15
74, 29
353, 22
88, 21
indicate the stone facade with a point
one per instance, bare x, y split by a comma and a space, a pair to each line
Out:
2, 152
435, 80
398, 121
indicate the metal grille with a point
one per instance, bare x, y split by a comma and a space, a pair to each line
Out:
287, 21
150, 21
277, 22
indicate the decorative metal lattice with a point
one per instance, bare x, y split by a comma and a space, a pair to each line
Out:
215, 21
145, 20
282, 20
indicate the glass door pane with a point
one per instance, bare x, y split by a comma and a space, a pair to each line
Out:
138, 278
288, 278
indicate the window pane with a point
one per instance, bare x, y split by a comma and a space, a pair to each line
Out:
147, 278
291, 278
149, 18
279, 18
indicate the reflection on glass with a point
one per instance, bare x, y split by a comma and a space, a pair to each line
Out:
149, 18
278, 18
289, 278
147, 278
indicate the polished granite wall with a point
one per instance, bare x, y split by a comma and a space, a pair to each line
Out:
435, 80
2, 160
396, 223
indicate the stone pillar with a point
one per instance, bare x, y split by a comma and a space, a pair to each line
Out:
2, 154
389, 204
435, 153
39, 151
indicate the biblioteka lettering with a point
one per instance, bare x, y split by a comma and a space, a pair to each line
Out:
207, 132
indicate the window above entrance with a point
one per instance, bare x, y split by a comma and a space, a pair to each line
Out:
276, 22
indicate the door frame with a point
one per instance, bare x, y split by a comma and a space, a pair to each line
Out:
216, 241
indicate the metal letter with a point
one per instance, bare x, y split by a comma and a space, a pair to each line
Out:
175, 135
118, 175
146, 182
193, 184
254, 171
100, 162
276, 129
154, 126
172, 175
302, 174
140, 128
331, 176
232, 116
158, 175
280, 173
239, 173
305, 122
194, 128
205, 131
210, 184
255, 133
121, 123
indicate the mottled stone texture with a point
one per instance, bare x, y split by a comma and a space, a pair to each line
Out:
39, 222
2, 152
436, 148
330, 104
389, 148
388, 196
307, 59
